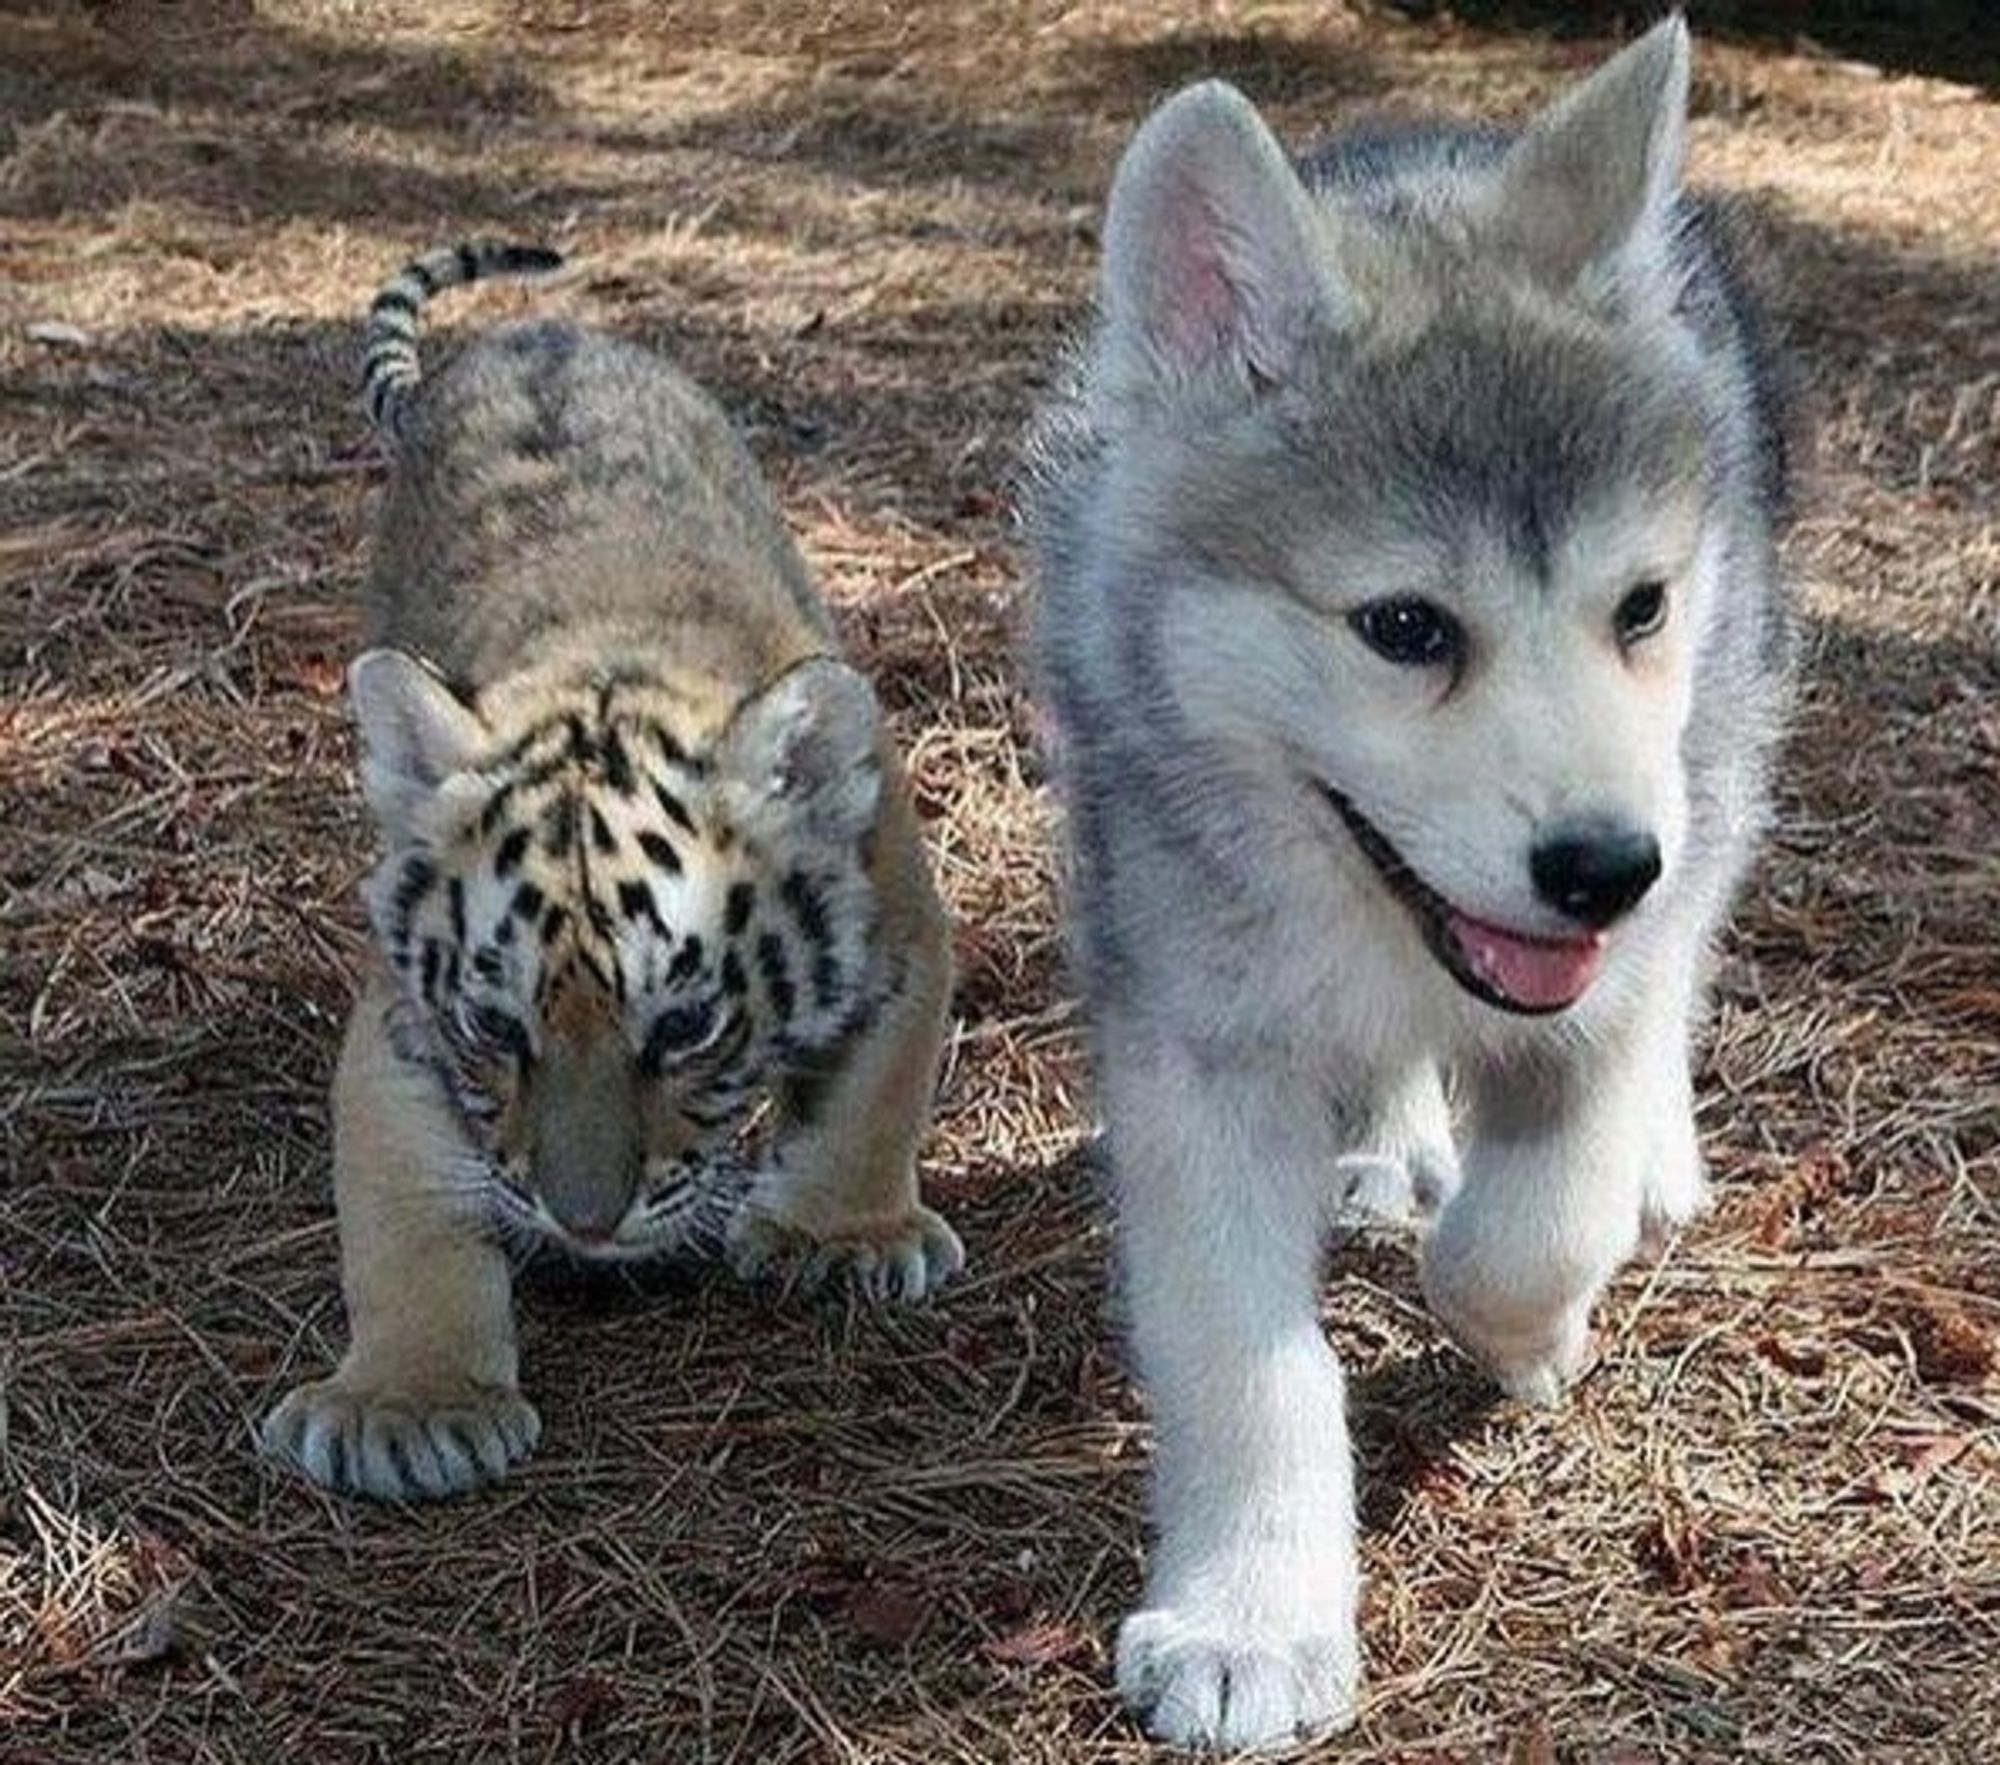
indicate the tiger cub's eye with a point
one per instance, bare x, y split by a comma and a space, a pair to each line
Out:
678, 1031
487, 1032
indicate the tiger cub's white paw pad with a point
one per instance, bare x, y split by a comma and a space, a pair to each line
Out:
395, 1449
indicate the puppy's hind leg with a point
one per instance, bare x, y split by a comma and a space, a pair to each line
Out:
1404, 1167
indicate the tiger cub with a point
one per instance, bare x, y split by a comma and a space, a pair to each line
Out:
647, 858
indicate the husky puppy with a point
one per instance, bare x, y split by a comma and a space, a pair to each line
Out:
1410, 621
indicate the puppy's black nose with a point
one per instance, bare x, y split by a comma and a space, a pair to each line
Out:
1594, 868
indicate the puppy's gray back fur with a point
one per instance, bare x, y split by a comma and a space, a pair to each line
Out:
551, 482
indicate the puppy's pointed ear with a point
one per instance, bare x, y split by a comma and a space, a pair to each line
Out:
1591, 181
415, 734
1213, 255
801, 758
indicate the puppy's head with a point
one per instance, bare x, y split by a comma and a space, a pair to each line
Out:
1421, 488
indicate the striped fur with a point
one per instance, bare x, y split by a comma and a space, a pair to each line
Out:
648, 863
390, 371
601, 858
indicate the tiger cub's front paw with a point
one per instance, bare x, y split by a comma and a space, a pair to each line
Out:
906, 1260
395, 1448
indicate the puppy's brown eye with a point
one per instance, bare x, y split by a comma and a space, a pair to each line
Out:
1411, 632
1641, 613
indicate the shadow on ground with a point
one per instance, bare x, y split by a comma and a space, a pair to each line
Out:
1948, 39
240, 68
788, 1529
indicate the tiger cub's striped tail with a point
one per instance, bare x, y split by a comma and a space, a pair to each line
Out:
390, 371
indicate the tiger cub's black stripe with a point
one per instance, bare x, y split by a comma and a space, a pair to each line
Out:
635, 901
777, 977
686, 959
391, 371
671, 806
736, 907
559, 829
734, 981
418, 879
512, 849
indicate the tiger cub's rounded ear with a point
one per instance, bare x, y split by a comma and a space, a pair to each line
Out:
801, 757
415, 734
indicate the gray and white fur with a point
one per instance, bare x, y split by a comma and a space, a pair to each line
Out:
1415, 647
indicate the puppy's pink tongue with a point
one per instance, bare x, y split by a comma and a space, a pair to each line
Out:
1541, 975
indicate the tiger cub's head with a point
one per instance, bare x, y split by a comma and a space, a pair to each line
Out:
608, 932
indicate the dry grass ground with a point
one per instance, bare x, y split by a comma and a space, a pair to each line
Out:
1768, 1528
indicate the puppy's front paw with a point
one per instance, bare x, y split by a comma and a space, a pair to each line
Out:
1535, 1360
907, 1260
391, 1448
1543, 1377
1197, 1681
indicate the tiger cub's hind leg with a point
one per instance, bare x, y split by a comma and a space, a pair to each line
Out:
424, 1403
838, 1194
